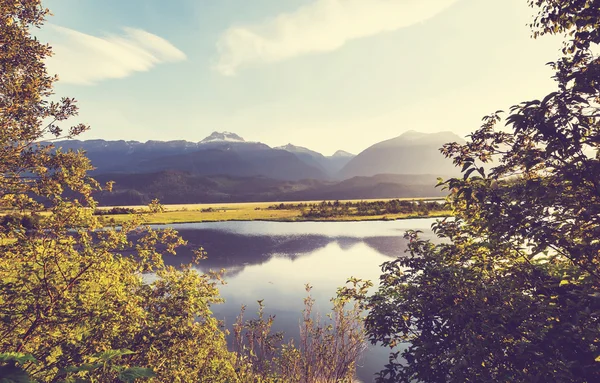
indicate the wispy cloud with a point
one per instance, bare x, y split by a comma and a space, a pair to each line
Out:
324, 25
84, 59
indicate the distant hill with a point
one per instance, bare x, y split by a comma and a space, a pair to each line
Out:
220, 153
185, 187
224, 167
410, 153
337, 162
309, 157
342, 154
377, 186
331, 165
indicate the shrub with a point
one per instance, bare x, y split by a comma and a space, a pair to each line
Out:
24, 221
115, 210
327, 351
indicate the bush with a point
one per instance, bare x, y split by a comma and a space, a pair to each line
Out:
26, 221
115, 210
327, 351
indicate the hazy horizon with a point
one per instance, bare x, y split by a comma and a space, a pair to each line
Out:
322, 74
249, 140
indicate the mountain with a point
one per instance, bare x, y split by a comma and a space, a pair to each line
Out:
228, 154
221, 153
309, 157
299, 149
337, 162
342, 154
222, 137
378, 186
331, 165
240, 161
175, 187
125, 156
410, 153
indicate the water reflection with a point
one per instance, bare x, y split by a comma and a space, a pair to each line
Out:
273, 261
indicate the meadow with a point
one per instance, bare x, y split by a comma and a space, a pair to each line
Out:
255, 211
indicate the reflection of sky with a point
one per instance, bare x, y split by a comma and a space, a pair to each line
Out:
273, 261
336, 229
280, 282
282, 279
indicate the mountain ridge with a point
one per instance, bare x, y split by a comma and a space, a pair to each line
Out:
409, 153
219, 153
226, 153
174, 187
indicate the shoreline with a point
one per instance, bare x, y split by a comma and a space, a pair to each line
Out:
156, 219
311, 220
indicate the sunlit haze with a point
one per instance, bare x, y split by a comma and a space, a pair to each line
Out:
324, 74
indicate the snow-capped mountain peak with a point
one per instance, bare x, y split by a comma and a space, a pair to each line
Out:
342, 153
222, 137
293, 148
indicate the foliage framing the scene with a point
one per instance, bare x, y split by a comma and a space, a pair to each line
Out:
512, 292
71, 291
83, 301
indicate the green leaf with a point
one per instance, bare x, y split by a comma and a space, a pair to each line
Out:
131, 374
84, 367
74, 380
548, 97
16, 357
13, 374
111, 354
468, 173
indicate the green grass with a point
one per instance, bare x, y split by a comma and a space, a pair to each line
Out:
215, 216
250, 212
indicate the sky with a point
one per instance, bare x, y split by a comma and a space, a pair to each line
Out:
324, 74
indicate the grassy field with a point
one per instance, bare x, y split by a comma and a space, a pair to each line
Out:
249, 212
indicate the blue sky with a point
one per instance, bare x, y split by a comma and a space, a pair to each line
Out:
325, 74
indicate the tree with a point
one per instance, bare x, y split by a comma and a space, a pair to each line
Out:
72, 291
512, 292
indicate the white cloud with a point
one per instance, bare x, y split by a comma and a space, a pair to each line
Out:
83, 59
324, 25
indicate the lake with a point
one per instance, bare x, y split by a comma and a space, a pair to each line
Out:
274, 260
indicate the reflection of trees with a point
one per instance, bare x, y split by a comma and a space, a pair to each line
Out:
230, 272
394, 246
389, 246
346, 243
226, 249
234, 251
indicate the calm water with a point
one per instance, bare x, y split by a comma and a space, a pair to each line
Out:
274, 260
